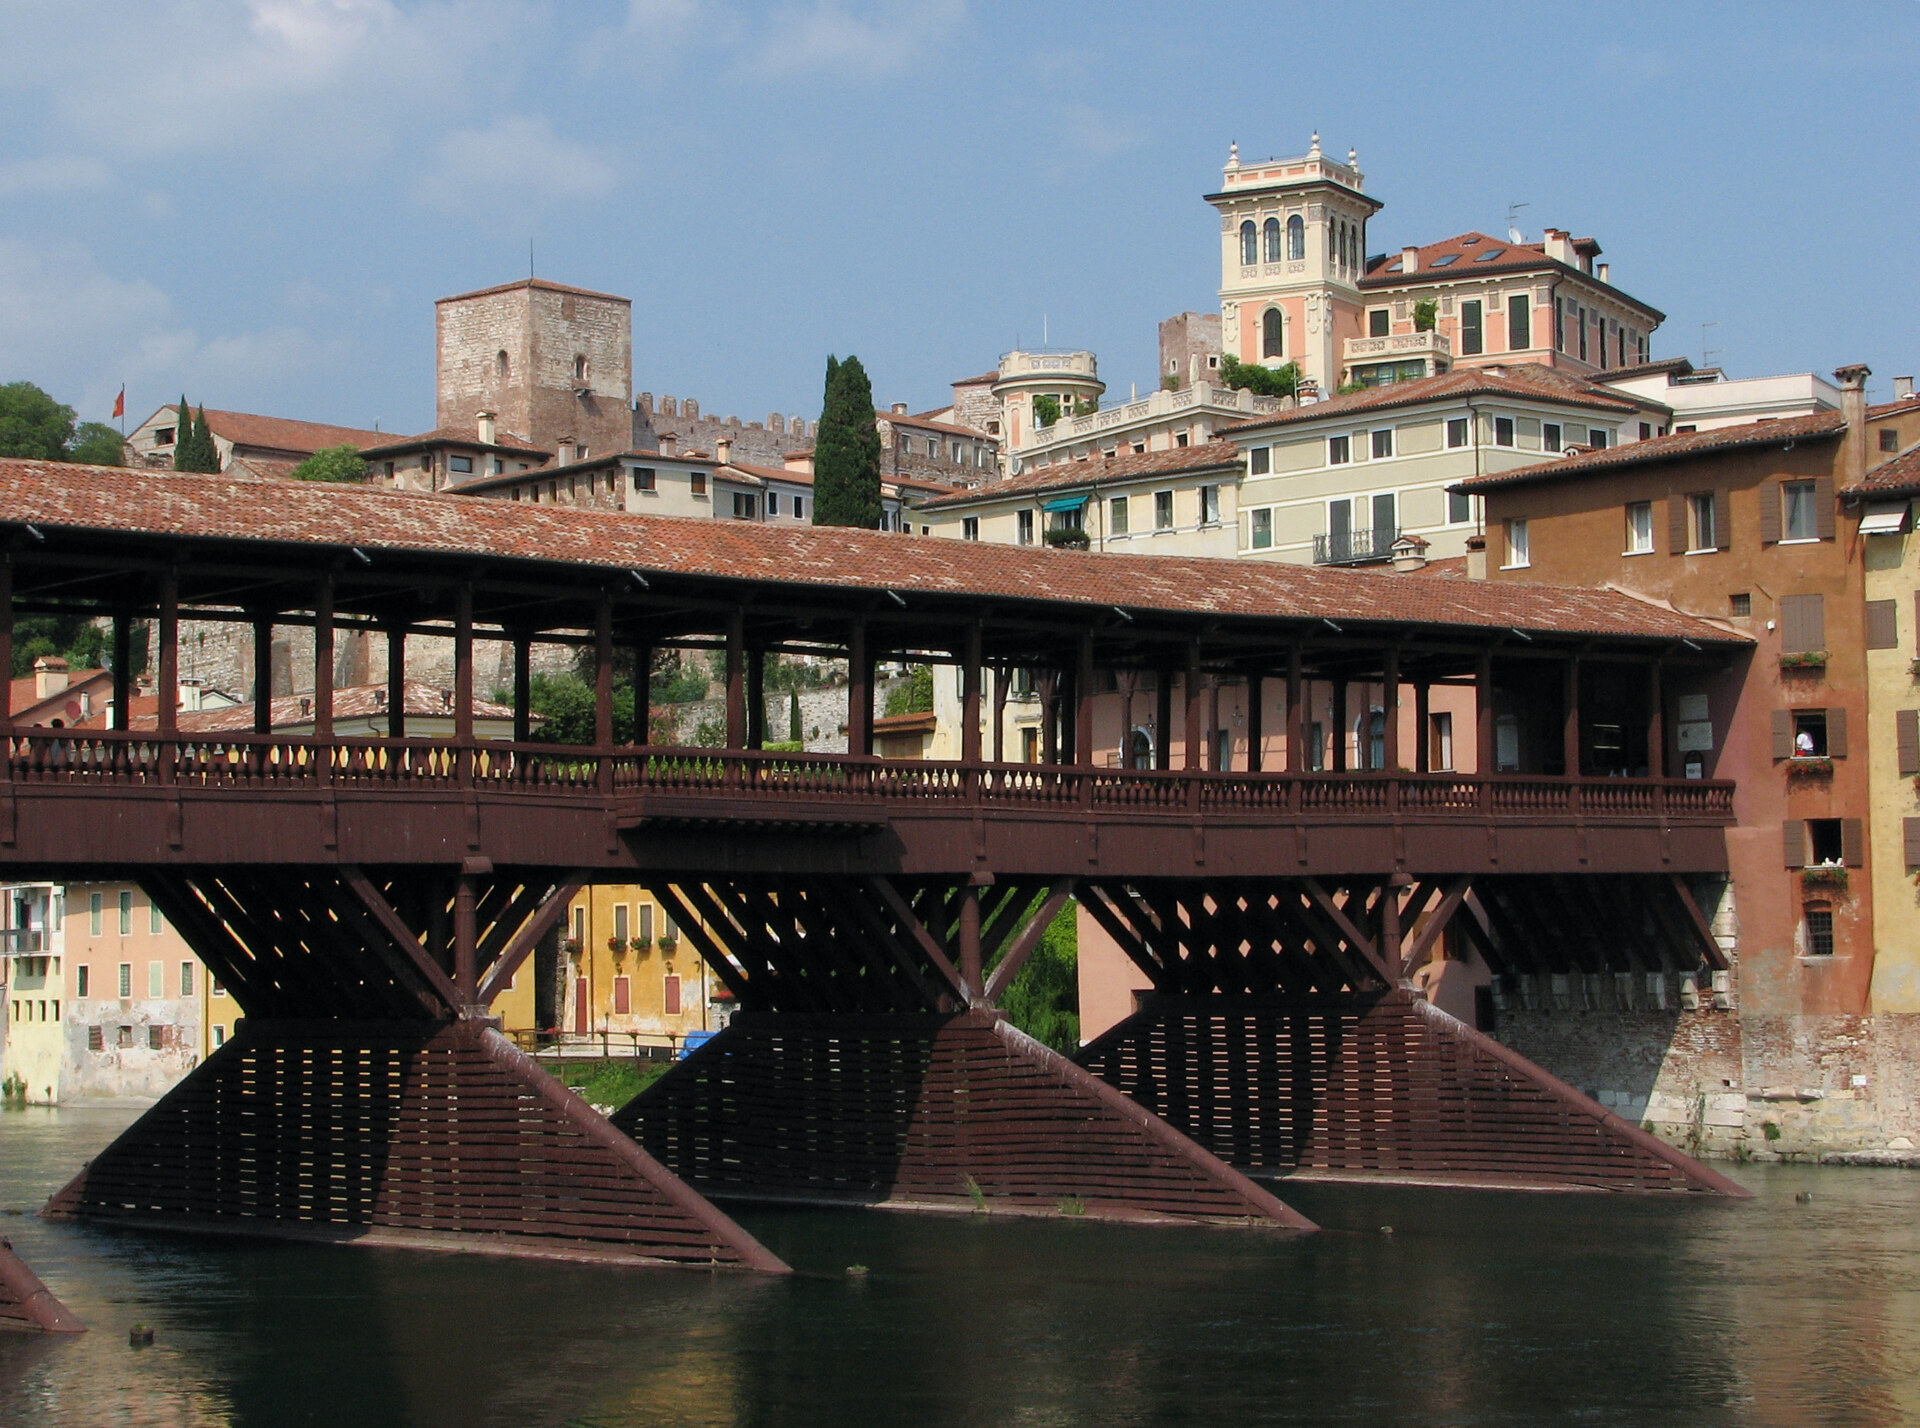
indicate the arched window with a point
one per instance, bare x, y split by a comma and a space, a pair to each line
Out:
1272, 338
1296, 239
1375, 744
1273, 240
501, 366
1249, 245
1140, 749
1339, 243
579, 369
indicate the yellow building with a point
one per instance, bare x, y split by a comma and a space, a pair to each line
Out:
631, 978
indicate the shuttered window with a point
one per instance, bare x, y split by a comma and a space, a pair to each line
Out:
622, 995
1769, 512
1676, 524
1803, 623
1793, 838
1906, 740
1836, 733
670, 996
1853, 842
1910, 829
1823, 512
1783, 733
1722, 522
1883, 624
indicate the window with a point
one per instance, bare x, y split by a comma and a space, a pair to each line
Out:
582, 453
1117, 516
1550, 435
156, 924
94, 903
746, 506
1889, 439
1316, 749
1503, 431
96, 1038
126, 980
80, 981
1740, 606
126, 914
214, 989
186, 979
1023, 527
1272, 337
579, 368
1646, 430
1580, 325
1597, 438
1249, 244
1459, 508
773, 503
697, 483
622, 996
799, 508
1382, 444
1259, 460
462, 464
1810, 734
156, 979
1639, 527
125, 1038
970, 528
1270, 231
1440, 742
1296, 239
1339, 450
1379, 322
1519, 325
219, 1037
1471, 341
163, 436
1163, 510
156, 1038
1209, 505
1819, 931
1803, 623
1456, 433
670, 996
1260, 529
1801, 521
1517, 553
1702, 533
1180, 438
1559, 325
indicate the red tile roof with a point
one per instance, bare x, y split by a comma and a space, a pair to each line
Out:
62, 497
928, 424
285, 434
25, 707
1133, 465
1899, 408
541, 283
1898, 477
1820, 426
1468, 253
980, 380
1528, 380
456, 436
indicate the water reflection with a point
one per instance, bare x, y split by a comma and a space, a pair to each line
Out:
1478, 1309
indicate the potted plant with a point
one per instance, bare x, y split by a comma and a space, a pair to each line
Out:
1824, 875
616, 945
641, 945
1068, 538
1804, 659
571, 947
668, 941
1809, 765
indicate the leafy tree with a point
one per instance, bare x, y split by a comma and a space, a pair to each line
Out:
1046, 411
1044, 1000
97, 444
1425, 312
1086, 406
846, 452
78, 639
32, 424
1261, 381
915, 696
339, 464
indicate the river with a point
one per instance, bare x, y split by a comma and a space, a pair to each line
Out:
1478, 1309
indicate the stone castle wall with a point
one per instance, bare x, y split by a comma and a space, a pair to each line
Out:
766, 443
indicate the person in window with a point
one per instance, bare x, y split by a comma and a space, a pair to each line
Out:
1803, 745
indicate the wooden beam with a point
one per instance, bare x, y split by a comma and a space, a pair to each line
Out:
404, 938
1029, 938
1432, 925
1355, 939
528, 937
1716, 958
711, 952
914, 928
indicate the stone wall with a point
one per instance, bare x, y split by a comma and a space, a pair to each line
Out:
766, 443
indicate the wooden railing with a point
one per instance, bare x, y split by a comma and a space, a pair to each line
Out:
264, 763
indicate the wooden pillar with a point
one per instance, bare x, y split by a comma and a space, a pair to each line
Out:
6, 656
1214, 761
859, 690
522, 688
1483, 760
1422, 718
1339, 741
970, 674
1083, 703
1656, 724
166, 684
1000, 679
1390, 707
463, 663
323, 659
1163, 717
1049, 683
122, 670
1390, 940
1256, 719
1196, 706
736, 679
756, 698
1570, 718
643, 693
397, 680
603, 673
1296, 714
466, 981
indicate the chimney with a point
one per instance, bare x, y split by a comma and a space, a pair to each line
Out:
723, 450
1853, 406
487, 429
1903, 389
899, 408
1559, 246
566, 451
1409, 260
669, 443
1476, 557
1601, 269
1410, 554
49, 676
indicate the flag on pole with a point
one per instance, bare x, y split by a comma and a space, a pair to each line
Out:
120, 403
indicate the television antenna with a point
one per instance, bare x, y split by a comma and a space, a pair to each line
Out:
1707, 354
1514, 235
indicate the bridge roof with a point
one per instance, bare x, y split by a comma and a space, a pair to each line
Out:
127, 512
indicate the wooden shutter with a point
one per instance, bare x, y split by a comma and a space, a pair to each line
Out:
1910, 830
670, 996
1769, 512
1853, 842
1823, 513
1906, 740
1836, 733
1803, 623
622, 996
1722, 522
1793, 839
1883, 624
1783, 733
1677, 524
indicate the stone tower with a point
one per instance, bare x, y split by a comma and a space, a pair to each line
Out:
553, 364
1293, 247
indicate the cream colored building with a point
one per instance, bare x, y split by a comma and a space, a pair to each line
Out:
632, 978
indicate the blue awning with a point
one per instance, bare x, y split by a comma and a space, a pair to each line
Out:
1066, 503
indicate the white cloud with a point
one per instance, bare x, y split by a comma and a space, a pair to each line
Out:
53, 173
518, 160
874, 39
1100, 134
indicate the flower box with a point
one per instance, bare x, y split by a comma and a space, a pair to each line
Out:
1809, 765
1804, 659
1827, 875
616, 944
571, 947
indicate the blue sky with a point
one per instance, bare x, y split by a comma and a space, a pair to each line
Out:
257, 201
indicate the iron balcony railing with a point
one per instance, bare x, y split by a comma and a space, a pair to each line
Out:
1355, 547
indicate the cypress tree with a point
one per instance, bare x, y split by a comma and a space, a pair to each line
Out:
183, 437
846, 453
203, 447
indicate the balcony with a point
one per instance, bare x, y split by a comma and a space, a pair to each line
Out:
1398, 345
1355, 547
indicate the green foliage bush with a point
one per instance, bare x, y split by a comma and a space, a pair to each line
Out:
1046, 411
915, 696
339, 464
1261, 381
1044, 1000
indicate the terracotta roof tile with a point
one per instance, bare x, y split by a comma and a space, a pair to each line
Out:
1527, 380
1898, 477
981, 380
456, 436
1132, 465
60, 497
928, 424
285, 434
1817, 427
1466, 257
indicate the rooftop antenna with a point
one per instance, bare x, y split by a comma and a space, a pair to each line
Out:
1043, 332
1514, 235
1708, 353
529, 260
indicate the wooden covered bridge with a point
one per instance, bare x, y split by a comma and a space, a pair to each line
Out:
365, 899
